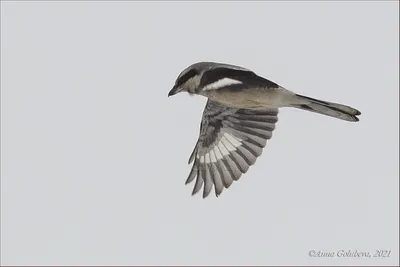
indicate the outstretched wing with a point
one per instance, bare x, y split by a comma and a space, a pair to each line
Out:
229, 143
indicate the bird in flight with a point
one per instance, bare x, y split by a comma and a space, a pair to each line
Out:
238, 119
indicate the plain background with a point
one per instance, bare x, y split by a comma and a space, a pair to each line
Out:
94, 153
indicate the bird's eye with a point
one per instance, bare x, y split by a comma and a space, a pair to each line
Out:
185, 77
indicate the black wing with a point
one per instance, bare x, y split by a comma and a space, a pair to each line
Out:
246, 78
229, 143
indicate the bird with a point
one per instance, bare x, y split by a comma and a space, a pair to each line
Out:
238, 119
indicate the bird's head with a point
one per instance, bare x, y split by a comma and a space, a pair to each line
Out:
193, 79
189, 79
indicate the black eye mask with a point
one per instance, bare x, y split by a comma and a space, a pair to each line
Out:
190, 74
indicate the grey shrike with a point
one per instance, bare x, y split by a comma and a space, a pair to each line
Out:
238, 119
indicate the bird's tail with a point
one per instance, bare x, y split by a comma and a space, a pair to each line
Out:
335, 110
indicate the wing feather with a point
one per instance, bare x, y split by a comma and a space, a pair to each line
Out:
192, 173
208, 183
199, 182
229, 143
226, 173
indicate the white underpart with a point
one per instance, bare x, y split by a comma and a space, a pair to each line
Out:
221, 83
202, 159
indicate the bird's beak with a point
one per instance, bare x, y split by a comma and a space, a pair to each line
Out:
174, 91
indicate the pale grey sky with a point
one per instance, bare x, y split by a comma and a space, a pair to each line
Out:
94, 153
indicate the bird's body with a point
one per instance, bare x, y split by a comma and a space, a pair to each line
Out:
259, 97
238, 119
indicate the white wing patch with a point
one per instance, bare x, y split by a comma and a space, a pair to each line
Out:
208, 158
226, 144
218, 154
212, 156
221, 83
222, 148
233, 140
